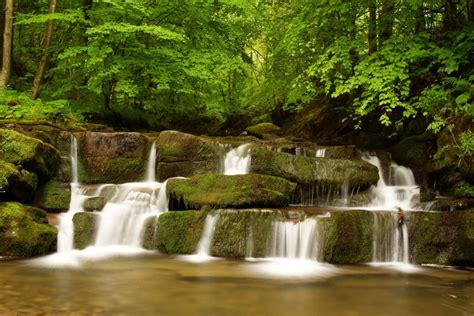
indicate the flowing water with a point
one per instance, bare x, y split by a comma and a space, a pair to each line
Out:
321, 153
160, 285
237, 160
205, 243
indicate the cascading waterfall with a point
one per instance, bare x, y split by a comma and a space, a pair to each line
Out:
205, 243
237, 160
321, 153
390, 240
151, 169
295, 240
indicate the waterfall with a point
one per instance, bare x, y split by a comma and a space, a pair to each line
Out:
390, 239
73, 157
205, 243
400, 189
295, 240
151, 169
321, 153
237, 160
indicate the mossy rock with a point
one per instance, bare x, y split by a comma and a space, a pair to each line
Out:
221, 191
95, 203
16, 184
264, 130
186, 155
445, 238
85, 225
356, 174
175, 232
32, 154
23, 232
243, 233
112, 157
53, 196
347, 237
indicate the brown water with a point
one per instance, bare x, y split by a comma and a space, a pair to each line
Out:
160, 285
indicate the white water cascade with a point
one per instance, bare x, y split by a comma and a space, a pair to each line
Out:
295, 240
205, 243
400, 190
151, 169
390, 240
321, 153
237, 160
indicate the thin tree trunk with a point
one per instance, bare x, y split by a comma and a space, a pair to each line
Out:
7, 44
372, 34
44, 58
420, 24
470, 11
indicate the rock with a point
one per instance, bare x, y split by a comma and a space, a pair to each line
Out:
221, 191
186, 155
175, 233
84, 229
95, 203
264, 130
112, 157
445, 238
53, 196
356, 174
32, 154
23, 232
16, 184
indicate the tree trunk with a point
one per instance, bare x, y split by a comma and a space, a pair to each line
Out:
387, 16
470, 11
420, 24
7, 44
451, 16
372, 34
44, 58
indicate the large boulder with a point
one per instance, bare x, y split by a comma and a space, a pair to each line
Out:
32, 154
112, 157
24, 232
264, 130
221, 191
85, 225
186, 155
356, 174
53, 196
445, 238
16, 184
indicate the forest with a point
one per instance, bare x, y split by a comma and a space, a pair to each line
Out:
399, 68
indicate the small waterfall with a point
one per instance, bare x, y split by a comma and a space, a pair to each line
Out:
295, 240
390, 240
237, 160
151, 168
73, 156
400, 189
205, 243
321, 153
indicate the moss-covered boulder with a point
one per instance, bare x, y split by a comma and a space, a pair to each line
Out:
347, 237
445, 238
356, 174
84, 229
16, 184
23, 232
174, 232
221, 191
112, 157
95, 203
186, 155
53, 196
263, 130
32, 154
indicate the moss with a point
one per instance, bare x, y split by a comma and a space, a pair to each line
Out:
357, 174
179, 232
264, 129
95, 203
23, 232
17, 184
220, 191
53, 196
8, 174
84, 229
31, 153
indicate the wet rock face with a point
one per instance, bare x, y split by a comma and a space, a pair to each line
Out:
24, 231
220, 191
84, 229
112, 157
186, 155
29, 153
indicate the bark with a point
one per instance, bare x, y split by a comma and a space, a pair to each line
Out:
387, 16
420, 24
451, 22
44, 58
372, 34
7, 44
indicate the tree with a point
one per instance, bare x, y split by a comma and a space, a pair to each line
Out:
7, 44
44, 58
